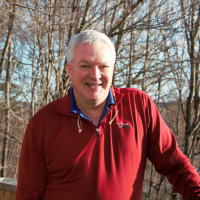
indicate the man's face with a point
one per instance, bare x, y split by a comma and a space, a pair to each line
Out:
91, 72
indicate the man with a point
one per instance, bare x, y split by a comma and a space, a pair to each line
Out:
93, 143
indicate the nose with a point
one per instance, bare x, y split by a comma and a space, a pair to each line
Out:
95, 73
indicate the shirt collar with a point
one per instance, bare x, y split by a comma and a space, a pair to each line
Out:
75, 109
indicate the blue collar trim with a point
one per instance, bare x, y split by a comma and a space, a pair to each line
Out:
75, 109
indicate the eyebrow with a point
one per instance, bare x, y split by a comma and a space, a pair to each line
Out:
84, 61
89, 63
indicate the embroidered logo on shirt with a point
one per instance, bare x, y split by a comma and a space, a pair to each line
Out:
122, 125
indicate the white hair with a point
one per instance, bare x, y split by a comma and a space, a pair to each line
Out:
90, 37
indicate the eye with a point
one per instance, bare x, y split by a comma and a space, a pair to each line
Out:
103, 67
84, 66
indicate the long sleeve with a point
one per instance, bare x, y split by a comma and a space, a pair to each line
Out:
168, 159
32, 173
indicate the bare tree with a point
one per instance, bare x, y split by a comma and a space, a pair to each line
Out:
9, 35
191, 20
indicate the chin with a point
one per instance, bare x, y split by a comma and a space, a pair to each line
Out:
94, 98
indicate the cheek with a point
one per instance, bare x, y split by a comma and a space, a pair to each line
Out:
109, 76
107, 79
78, 76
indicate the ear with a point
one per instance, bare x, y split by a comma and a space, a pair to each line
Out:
68, 68
113, 68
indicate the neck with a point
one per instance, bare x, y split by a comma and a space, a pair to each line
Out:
85, 107
93, 111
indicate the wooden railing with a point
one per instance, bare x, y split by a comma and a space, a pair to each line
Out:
8, 188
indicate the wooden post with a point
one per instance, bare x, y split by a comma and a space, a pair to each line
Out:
8, 188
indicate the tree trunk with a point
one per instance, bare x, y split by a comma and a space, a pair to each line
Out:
8, 39
7, 115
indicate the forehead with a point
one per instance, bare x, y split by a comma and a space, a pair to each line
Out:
92, 48
100, 52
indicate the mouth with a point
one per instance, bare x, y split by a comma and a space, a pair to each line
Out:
93, 84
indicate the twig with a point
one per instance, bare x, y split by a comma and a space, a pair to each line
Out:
20, 119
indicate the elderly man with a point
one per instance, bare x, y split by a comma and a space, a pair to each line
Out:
93, 143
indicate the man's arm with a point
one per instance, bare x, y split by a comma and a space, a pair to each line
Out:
168, 159
32, 172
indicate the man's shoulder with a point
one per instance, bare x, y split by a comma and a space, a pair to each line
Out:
133, 96
131, 91
51, 109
